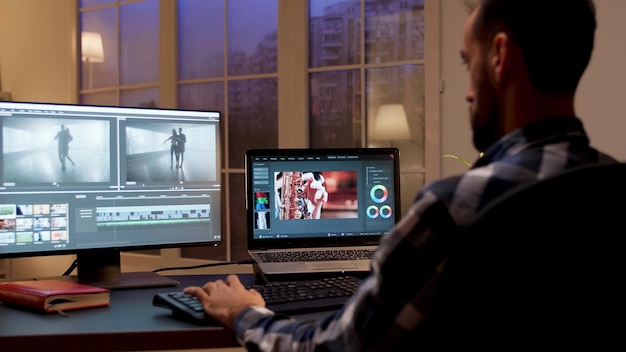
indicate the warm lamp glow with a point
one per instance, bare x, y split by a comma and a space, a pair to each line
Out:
92, 49
391, 124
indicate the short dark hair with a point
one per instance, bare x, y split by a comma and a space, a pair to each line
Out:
556, 37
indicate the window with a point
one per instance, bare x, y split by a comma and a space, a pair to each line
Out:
227, 54
114, 44
379, 63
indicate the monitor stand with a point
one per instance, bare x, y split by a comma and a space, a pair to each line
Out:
102, 268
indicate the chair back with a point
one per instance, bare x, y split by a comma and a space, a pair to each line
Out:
541, 266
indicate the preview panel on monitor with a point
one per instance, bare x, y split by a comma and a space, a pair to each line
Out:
75, 177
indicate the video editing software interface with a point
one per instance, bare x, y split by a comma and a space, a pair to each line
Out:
323, 195
83, 177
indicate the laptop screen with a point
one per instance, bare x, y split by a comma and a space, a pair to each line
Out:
321, 197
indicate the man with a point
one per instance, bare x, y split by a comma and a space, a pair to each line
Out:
525, 59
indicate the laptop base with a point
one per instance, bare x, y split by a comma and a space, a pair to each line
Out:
262, 277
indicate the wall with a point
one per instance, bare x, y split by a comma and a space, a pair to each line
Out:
601, 96
37, 64
455, 129
600, 100
36, 50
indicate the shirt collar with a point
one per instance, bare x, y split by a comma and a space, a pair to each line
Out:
541, 132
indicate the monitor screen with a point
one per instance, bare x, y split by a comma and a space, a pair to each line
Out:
96, 180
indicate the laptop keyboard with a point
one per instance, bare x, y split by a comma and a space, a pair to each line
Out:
307, 295
289, 297
321, 255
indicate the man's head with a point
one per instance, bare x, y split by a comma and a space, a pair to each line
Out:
547, 44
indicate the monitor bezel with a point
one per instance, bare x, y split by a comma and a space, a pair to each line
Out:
110, 254
366, 240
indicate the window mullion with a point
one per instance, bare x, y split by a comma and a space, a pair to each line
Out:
432, 96
293, 92
168, 53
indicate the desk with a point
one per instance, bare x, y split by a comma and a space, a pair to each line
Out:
130, 323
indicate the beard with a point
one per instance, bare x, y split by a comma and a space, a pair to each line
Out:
486, 132
484, 119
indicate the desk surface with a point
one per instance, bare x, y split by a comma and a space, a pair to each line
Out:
130, 323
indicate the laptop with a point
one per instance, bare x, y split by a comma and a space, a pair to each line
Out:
324, 210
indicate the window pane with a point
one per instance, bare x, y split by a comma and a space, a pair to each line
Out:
394, 30
395, 98
99, 48
205, 96
252, 36
238, 223
143, 98
411, 183
139, 42
335, 109
334, 34
201, 39
106, 99
252, 117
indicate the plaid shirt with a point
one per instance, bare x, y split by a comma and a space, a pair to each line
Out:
387, 312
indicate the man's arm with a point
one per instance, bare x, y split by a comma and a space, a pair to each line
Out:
376, 315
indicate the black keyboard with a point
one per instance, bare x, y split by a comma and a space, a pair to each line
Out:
323, 255
289, 297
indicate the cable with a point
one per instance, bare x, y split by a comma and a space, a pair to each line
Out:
71, 268
240, 262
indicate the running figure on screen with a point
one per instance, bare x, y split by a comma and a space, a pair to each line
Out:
67, 151
173, 147
63, 138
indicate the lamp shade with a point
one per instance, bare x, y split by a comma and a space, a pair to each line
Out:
91, 47
391, 124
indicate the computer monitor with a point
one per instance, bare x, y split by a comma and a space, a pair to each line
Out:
97, 180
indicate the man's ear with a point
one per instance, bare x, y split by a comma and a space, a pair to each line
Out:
499, 56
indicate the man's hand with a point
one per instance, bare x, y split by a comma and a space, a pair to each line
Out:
224, 299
